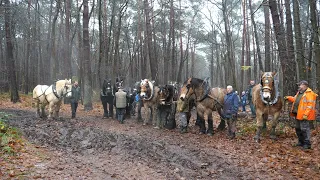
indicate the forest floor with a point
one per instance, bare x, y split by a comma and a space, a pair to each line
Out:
90, 147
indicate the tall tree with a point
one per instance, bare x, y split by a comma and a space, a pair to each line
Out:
87, 76
288, 65
267, 27
67, 50
14, 96
315, 29
298, 39
289, 32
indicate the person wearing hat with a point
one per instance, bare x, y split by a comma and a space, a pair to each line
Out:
304, 111
121, 103
74, 99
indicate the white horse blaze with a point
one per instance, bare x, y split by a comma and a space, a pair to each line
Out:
266, 95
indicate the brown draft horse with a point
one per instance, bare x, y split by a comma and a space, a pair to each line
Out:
266, 99
149, 94
207, 100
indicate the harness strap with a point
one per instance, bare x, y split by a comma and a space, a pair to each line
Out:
54, 90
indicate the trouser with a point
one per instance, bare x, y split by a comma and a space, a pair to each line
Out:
253, 110
140, 104
244, 107
74, 106
120, 114
133, 108
183, 119
303, 132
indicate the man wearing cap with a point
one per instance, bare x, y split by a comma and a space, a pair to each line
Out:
304, 110
74, 99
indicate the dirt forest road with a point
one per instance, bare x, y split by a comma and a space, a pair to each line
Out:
90, 147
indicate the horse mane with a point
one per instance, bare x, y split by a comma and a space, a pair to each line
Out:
171, 92
196, 82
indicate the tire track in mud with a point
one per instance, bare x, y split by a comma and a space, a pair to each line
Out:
90, 144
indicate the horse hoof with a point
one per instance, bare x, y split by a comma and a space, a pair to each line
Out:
273, 137
144, 124
210, 134
257, 139
156, 127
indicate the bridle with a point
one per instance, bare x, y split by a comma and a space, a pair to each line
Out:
268, 88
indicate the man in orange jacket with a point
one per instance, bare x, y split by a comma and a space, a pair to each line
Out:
304, 110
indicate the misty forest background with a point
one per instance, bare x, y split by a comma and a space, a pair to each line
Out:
229, 41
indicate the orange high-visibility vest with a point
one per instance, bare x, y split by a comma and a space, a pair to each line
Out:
307, 105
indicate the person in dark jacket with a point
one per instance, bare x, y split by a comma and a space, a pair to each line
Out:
249, 98
74, 99
230, 111
243, 101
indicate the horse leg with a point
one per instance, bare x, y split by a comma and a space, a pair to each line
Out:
210, 125
259, 125
50, 110
110, 109
159, 118
154, 113
139, 118
147, 112
43, 113
265, 118
274, 125
57, 108
222, 125
105, 107
38, 114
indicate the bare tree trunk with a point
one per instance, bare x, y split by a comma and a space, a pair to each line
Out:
152, 59
256, 37
288, 65
315, 28
86, 56
244, 33
54, 60
9, 49
298, 39
267, 27
290, 45
67, 51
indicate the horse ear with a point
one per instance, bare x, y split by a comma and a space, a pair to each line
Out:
261, 73
274, 73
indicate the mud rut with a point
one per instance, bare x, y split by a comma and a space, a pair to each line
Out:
95, 148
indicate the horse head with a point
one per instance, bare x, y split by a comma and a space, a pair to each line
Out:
267, 85
107, 89
165, 93
64, 87
146, 91
119, 84
191, 86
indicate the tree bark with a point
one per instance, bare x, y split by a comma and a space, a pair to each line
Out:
289, 32
315, 29
14, 96
288, 65
267, 27
86, 57
67, 51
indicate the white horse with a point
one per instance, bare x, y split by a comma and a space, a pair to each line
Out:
52, 95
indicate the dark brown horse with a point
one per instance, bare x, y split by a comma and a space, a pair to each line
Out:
207, 99
266, 99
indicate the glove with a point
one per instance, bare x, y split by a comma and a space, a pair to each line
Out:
285, 98
305, 117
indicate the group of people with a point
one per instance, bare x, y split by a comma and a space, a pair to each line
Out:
303, 109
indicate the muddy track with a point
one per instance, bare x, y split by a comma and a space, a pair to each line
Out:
95, 148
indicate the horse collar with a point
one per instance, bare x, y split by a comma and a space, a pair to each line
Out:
54, 90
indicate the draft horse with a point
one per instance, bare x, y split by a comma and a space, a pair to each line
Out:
149, 95
106, 97
207, 100
266, 99
51, 95
167, 107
